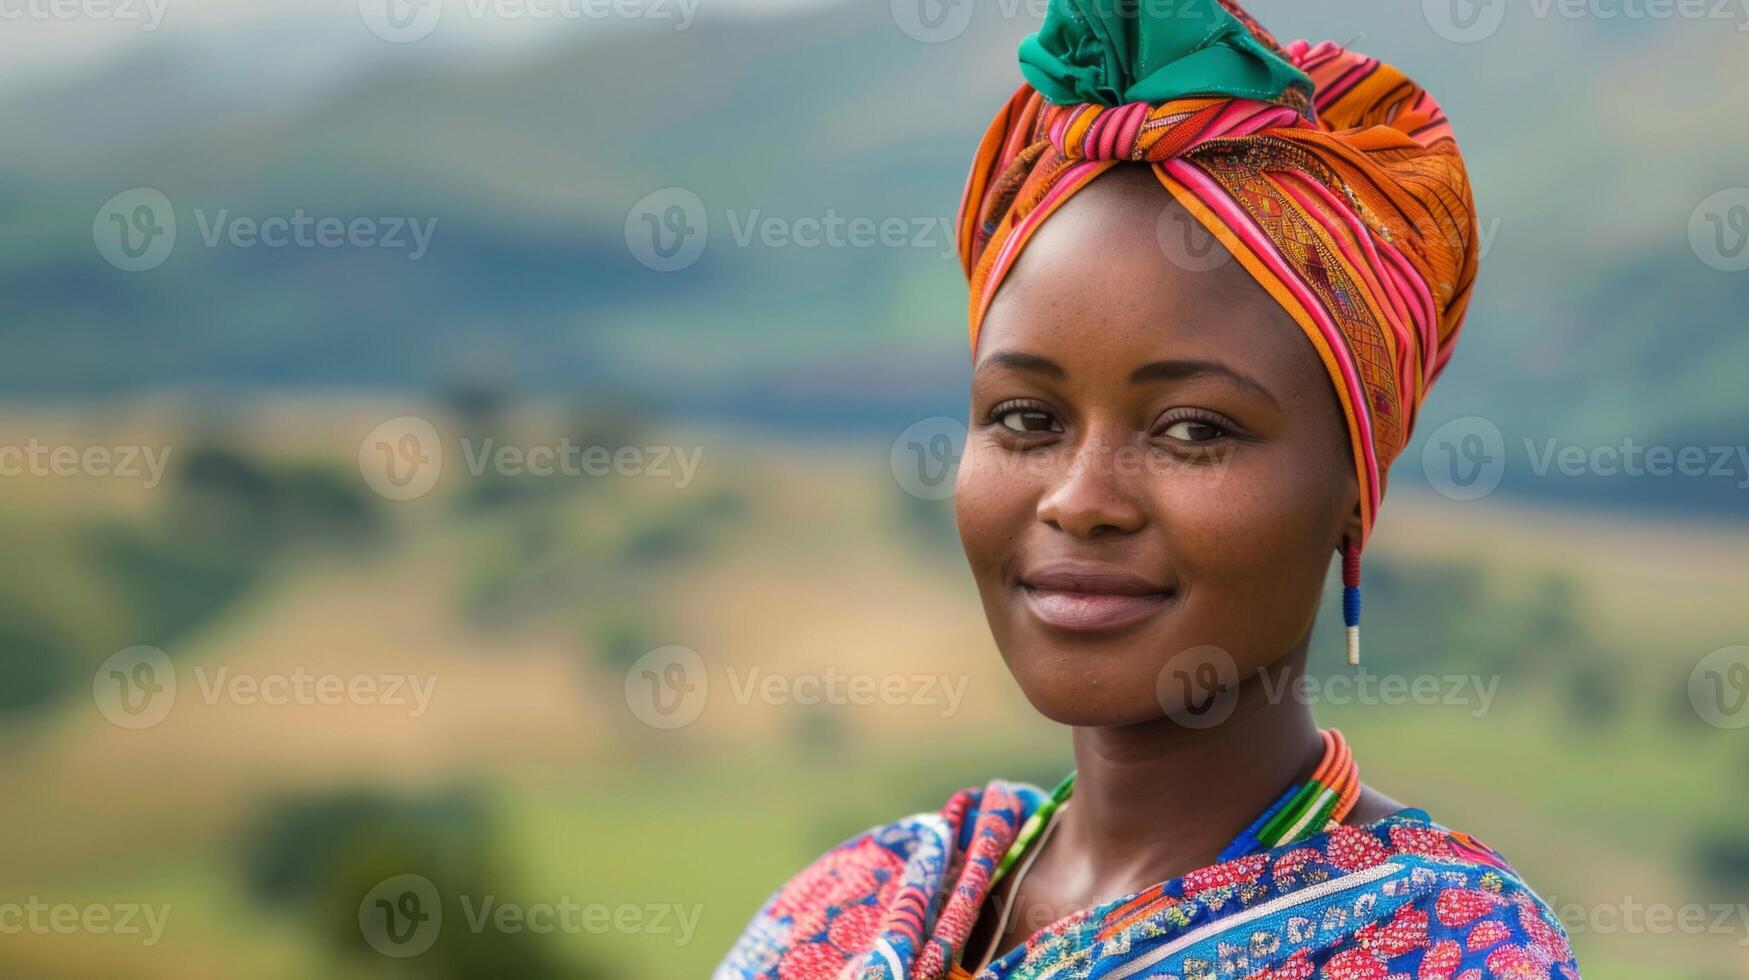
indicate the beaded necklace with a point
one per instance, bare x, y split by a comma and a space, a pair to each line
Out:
1305, 809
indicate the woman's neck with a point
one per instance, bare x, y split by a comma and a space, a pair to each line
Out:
1157, 800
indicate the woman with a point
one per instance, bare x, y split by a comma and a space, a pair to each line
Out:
1169, 442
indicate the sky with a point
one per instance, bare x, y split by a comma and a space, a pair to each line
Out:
47, 40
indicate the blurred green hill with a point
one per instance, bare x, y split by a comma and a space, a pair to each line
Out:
1591, 144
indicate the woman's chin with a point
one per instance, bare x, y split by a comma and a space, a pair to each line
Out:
1085, 702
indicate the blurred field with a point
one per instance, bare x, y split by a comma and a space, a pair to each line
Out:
531, 779
532, 147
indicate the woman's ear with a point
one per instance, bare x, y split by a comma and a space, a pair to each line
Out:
1353, 529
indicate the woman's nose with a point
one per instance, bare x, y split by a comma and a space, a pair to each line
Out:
1094, 494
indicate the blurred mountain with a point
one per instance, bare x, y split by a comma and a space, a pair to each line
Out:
1590, 145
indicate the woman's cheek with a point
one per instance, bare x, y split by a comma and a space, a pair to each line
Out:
1249, 544
985, 503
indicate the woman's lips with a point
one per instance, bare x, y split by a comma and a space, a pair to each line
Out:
1090, 599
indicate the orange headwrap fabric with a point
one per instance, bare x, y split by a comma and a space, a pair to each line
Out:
1351, 207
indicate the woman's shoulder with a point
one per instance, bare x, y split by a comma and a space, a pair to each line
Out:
1466, 907
1441, 895
922, 846
833, 909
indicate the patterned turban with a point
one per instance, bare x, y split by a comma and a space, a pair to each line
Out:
1330, 176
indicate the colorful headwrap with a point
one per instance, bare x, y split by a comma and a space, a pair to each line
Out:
1330, 176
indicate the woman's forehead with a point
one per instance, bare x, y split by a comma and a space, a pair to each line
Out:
1103, 276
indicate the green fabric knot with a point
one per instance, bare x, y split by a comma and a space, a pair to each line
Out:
1112, 52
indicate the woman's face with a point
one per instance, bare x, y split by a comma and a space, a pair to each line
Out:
1157, 463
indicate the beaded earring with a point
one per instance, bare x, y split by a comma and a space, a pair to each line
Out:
1351, 599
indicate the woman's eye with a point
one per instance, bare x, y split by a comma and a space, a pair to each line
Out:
1191, 430
1028, 420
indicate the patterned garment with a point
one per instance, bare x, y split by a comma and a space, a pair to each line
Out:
1401, 899
1345, 198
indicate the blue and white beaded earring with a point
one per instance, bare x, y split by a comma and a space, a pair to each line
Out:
1351, 599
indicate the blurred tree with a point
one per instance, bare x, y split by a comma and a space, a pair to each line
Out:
327, 854
1594, 690
820, 733
930, 523
167, 585
619, 638
232, 503
1719, 859
33, 670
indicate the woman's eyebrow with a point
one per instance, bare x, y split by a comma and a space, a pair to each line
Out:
1182, 370
1021, 361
